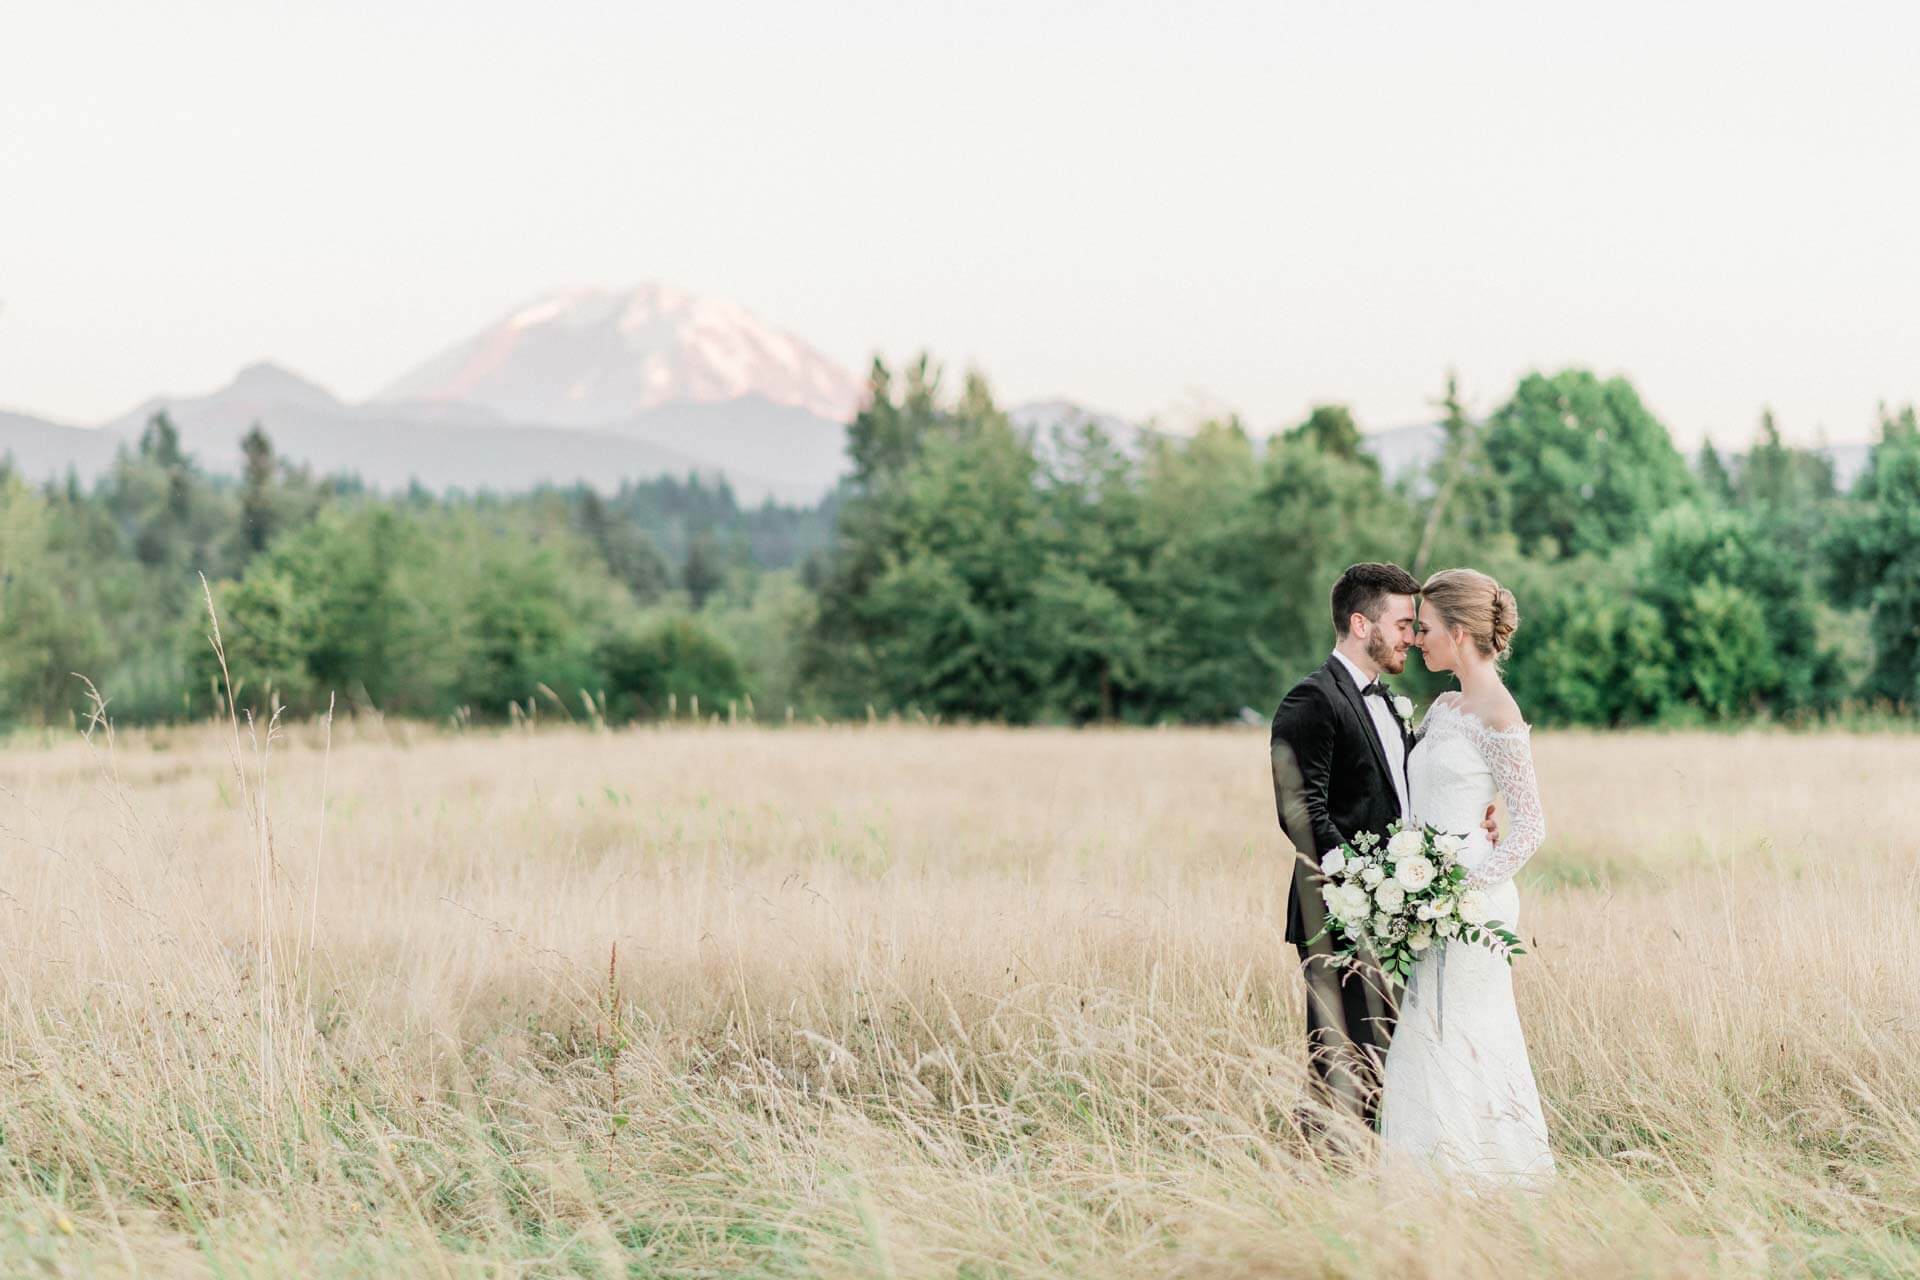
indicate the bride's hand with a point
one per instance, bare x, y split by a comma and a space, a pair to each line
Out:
1492, 827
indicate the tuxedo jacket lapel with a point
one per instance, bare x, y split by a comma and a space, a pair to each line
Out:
1344, 683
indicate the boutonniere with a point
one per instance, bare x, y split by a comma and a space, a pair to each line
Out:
1403, 707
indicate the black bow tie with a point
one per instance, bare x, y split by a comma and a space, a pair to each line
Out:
1377, 690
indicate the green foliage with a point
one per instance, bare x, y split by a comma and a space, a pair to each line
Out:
1727, 652
1468, 510
256, 503
673, 664
533, 609
45, 634
1710, 469
765, 620
1743, 617
1189, 581
1777, 476
951, 616
629, 554
886, 435
416, 613
704, 569
267, 636
972, 582
1585, 465
1330, 429
1094, 601
929, 600
1248, 549
1706, 618
1587, 651
417, 604
970, 572
1874, 548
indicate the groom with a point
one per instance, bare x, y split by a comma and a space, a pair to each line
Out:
1340, 742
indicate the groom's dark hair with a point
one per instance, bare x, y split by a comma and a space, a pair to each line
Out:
1364, 588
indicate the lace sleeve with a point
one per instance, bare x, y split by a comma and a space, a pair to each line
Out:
1509, 755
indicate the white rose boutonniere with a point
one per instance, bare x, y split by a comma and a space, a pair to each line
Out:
1403, 707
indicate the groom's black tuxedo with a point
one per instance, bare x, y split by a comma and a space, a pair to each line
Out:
1331, 781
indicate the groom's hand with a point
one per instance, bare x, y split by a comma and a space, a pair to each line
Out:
1492, 827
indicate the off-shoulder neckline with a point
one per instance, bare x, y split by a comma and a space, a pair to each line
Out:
1515, 731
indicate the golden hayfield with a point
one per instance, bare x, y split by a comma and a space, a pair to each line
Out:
904, 1001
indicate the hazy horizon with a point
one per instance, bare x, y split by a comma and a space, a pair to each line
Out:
1278, 205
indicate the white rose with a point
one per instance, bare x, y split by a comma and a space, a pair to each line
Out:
1403, 706
1419, 940
1447, 928
1372, 876
1405, 844
1424, 911
1449, 844
1390, 895
1474, 907
1443, 907
1351, 903
1414, 874
1381, 924
1332, 863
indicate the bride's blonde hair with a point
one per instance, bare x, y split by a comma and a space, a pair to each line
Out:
1469, 599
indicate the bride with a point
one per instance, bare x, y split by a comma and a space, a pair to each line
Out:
1458, 1093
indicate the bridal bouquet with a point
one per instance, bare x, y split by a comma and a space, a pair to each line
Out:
1399, 896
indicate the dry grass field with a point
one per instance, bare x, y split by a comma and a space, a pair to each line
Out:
904, 1001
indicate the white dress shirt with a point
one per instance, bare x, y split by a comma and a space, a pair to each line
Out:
1392, 745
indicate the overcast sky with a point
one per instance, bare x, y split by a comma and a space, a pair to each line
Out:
1276, 202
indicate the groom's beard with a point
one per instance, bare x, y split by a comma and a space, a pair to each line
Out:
1385, 654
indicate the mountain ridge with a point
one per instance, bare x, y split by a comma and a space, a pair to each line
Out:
600, 385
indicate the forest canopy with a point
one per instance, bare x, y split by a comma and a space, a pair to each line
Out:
969, 570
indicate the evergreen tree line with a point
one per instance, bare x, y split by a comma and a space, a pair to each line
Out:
969, 571
561, 601
979, 574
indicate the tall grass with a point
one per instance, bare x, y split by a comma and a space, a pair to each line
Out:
902, 1001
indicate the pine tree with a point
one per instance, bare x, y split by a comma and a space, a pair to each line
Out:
1330, 428
1715, 479
703, 571
1469, 502
256, 493
1872, 549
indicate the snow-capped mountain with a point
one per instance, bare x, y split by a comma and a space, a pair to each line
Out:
588, 357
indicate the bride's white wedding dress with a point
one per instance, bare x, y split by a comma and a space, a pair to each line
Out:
1458, 1093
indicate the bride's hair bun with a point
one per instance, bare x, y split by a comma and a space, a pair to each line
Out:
1506, 618
1471, 601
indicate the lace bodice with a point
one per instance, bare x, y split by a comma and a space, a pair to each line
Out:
1457, 767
